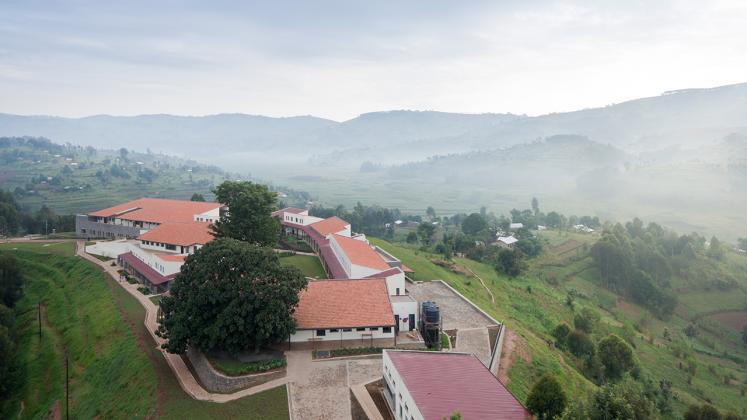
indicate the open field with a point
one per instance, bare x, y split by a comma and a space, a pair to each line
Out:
309, 265
115, 370
58, 248
531, 307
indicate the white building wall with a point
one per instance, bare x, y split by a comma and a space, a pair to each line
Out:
404, 309
300, 219
208, 216
360, 272
395, 283
402, 400
302, 336
341, 257
113, 249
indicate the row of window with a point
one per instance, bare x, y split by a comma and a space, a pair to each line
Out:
321, 333
167, 246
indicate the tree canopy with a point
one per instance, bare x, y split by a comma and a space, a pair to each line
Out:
10, 280
230, 296
547, 400
616, 356
473, 224
249, 216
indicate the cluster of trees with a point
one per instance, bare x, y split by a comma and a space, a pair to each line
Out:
637, 262
10, 292
13, 220
371, 220
233, 294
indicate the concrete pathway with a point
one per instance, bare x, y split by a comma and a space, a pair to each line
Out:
475, 341
189, 384
320, 389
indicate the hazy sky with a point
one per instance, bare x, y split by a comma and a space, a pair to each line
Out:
340, 59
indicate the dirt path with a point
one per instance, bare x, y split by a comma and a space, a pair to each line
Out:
187, 381
492, 298
513, 347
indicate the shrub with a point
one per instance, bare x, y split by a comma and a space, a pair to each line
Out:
580, 345
547, 400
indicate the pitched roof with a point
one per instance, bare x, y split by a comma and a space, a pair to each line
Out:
361, 253
171, 257
183, 234
344, 304
508, 240
441, 383
145, 270
157, 210
330, 225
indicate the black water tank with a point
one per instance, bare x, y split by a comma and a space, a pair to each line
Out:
430, 312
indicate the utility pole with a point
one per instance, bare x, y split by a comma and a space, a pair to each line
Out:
67, 388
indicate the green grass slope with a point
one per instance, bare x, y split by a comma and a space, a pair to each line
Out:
115, 369
533, 304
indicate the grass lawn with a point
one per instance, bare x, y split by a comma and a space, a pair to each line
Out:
115, 370
308, 264
57, 248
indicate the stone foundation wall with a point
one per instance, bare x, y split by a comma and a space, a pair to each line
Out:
215, 381
337, 344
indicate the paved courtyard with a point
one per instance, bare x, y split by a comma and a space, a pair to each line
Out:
455, 312
320, 390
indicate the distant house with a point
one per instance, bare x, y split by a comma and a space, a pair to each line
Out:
506, 242
516, 226
422, 385
583, 228
541, 227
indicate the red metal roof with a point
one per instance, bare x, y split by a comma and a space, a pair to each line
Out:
184, 234
145, 270
344, 304
442, 383
157, 210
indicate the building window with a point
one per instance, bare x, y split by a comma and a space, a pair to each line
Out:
334, 330
387, 329
347, 329
321, 333
171, 247
373, 329
361, 329
398, 291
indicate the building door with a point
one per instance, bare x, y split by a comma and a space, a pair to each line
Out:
411, 321
396, 323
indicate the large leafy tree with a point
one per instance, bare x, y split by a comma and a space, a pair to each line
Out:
230, 296
10, 280
547, 400
510, 262
473, 224
249, 217
616, 356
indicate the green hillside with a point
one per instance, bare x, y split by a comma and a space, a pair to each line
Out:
71, 179
535, 302
115, 369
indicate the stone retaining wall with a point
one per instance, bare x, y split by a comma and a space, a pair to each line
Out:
215, 381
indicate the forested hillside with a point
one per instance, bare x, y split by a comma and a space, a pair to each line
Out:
69, 178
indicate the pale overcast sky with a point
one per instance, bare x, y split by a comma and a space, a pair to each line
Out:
339, 59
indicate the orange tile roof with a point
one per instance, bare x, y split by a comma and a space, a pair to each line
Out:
344, 304
171, 257
331, 225
157, 210
184, 234
361, 253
